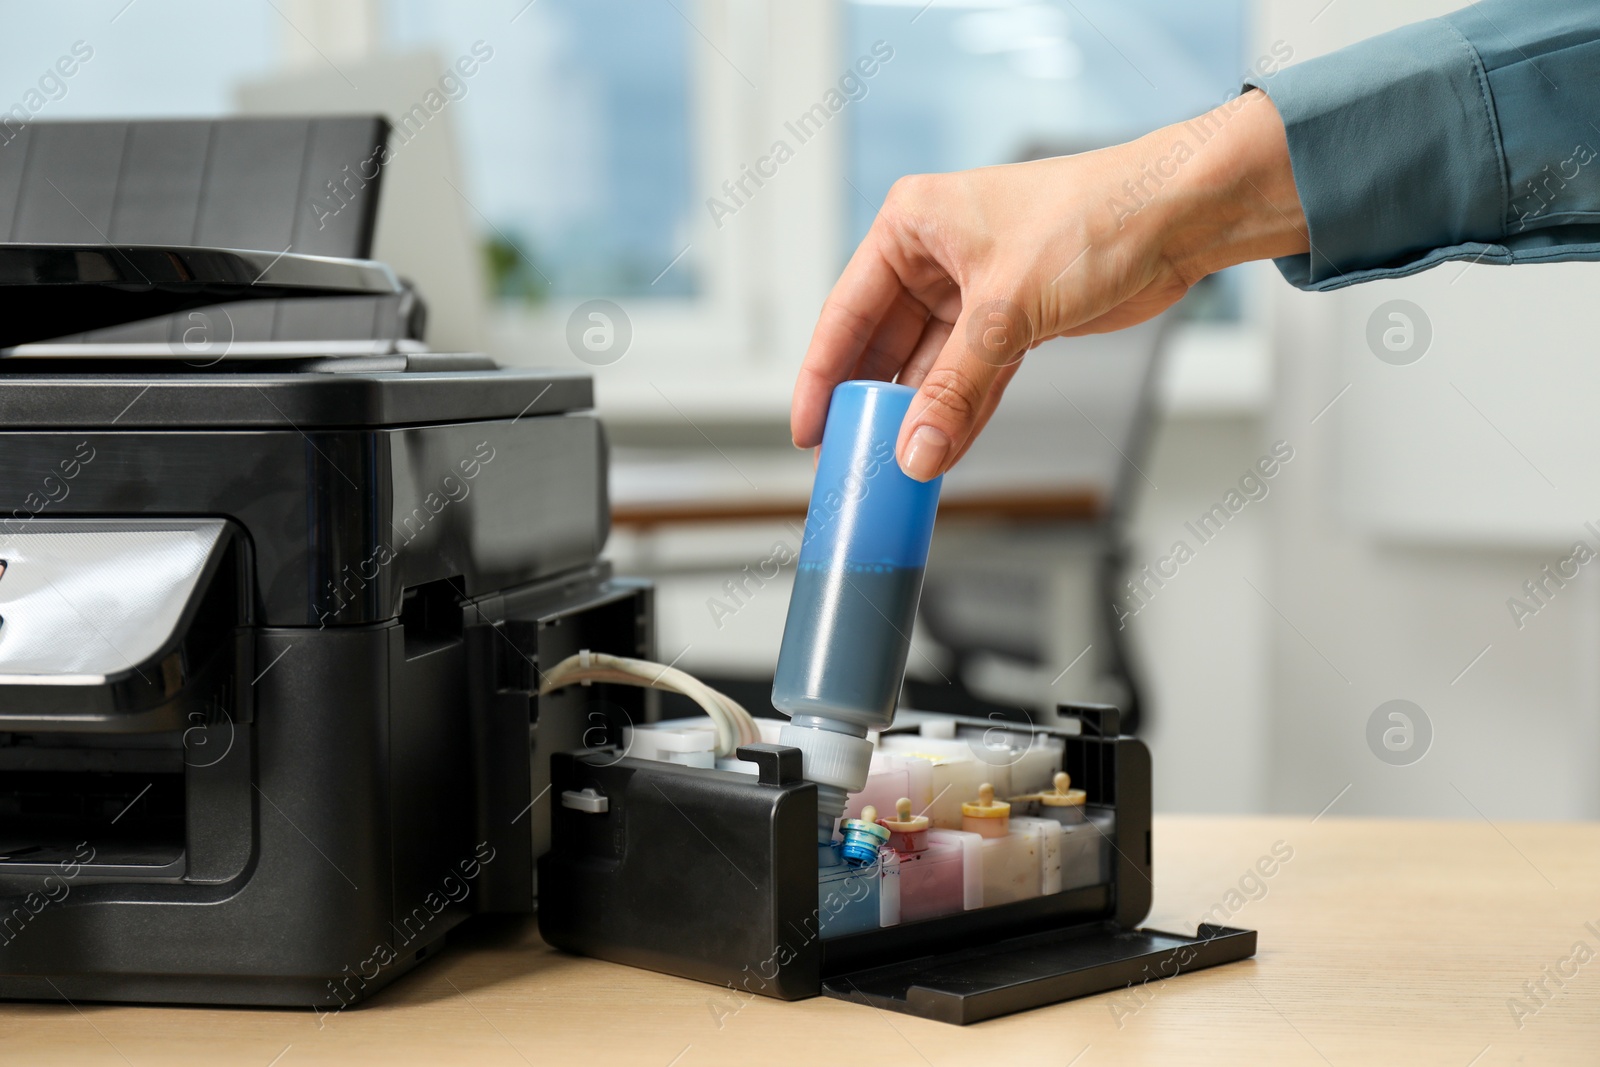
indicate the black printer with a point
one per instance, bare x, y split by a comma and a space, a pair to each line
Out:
274, 578
277, 584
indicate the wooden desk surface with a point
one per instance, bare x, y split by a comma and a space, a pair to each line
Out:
1056, 505
1382, 942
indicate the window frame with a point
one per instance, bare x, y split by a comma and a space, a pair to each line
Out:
733, 349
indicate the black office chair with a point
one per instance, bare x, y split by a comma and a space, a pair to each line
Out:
1078, 416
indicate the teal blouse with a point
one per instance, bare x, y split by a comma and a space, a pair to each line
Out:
1475, 136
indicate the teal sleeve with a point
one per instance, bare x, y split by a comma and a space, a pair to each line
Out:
1475, 136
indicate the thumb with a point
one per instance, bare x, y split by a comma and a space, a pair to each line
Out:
953, 397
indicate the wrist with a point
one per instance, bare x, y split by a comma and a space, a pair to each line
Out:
1234, 200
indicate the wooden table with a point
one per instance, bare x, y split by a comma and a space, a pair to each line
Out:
1382, 942
1060, 505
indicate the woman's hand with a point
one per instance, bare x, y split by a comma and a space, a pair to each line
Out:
963, 273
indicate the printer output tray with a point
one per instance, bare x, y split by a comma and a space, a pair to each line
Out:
1036, 969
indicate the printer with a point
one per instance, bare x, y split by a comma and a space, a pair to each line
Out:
277, 588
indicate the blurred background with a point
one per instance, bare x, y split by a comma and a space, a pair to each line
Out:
662, 192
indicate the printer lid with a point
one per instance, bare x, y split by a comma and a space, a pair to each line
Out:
113, 233
46, 287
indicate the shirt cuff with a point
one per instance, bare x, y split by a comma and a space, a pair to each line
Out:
1396, 155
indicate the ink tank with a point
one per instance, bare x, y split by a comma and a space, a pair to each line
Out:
940, 871
855, 595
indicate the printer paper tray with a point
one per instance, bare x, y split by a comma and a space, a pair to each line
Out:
1036, 969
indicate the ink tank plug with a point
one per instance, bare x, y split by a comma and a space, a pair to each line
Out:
986, 816
1062, 803
907, 832
856, 588
863, 837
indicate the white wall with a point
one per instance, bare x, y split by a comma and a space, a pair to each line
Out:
1404, 616
1420, 502
1201, 641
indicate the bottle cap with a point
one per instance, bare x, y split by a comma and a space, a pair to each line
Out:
867, 824
1062, 796
986, 806
904, 822
863, 837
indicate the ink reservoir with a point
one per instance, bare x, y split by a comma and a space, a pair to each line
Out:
856, 587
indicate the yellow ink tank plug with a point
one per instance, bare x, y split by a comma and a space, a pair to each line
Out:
1062, 796
986, 815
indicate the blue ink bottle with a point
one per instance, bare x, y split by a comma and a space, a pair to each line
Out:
856, 588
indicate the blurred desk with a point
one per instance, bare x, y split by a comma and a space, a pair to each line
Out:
1381, 942
765, 485
1061, 506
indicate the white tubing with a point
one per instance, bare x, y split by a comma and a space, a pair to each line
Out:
734, 724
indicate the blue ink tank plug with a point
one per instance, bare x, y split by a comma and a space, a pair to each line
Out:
863, 837
856, 587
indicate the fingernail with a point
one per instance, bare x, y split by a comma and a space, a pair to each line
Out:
925, 453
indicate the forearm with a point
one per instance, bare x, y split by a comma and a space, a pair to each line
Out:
963, 273
1234, 199
1472, 136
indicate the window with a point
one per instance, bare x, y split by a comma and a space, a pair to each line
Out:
209, 48
600, 142
978, 82
578, 143
721, 302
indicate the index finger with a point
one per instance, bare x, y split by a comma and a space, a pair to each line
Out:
861, 298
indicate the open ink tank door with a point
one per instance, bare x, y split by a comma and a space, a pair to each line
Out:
856, 587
